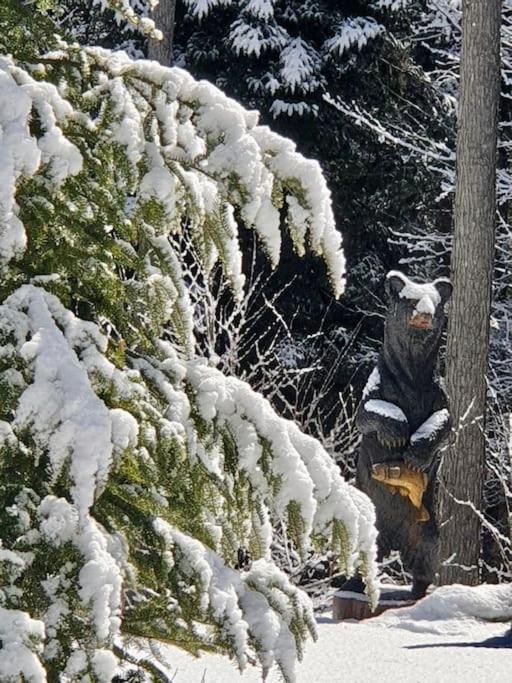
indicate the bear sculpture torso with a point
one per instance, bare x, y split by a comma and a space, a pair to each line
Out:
404, 422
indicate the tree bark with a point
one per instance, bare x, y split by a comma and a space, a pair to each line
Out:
163, 16
463, 468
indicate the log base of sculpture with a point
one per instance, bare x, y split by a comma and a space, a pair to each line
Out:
350, 605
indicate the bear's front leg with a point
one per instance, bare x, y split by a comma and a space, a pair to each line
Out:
386, 420
427, 440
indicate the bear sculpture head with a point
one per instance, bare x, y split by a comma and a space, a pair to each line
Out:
416, 316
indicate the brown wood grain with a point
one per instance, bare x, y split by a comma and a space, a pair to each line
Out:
163, 16
462, 472
345, 606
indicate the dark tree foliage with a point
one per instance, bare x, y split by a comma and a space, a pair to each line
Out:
378, 189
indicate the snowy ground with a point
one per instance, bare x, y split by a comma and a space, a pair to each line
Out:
443, 639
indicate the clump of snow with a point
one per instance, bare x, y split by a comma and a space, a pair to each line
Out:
76, 664
66, 417
262, 9
298, 65
129, 12
248, 39
431, 427
386, 409
22, 153
59, 520
104, 664
125, 429
353, 31
451, 610
101, 579
372, 384
413, 290
200, 8
21, 639
391, 5
280, 106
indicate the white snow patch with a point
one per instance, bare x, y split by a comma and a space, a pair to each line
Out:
200, 8
386, 409
353, 32
59, 520
21, 638
431, 427
125, 429
66, 417
104, 664
372, 384
453, 610
374, 651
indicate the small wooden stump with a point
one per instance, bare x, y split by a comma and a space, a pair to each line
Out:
349, 605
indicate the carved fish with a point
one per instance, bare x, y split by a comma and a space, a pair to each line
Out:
410, 483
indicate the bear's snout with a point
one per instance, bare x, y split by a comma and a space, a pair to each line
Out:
422, 321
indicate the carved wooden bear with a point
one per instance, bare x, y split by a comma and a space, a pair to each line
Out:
404, 421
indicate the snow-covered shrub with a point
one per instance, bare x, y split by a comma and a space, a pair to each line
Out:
132, 471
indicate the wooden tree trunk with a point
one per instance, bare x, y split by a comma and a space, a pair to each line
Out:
163, 16
462, 472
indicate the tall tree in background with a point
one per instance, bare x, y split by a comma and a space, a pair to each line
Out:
163, 16
472, 266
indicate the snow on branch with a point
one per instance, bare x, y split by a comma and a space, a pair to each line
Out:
202, 147
136, 472
425, 148
262, 9
354, 31
130, 13
22, 153
391, 5
21, 644
201, 8
299, 65
245, 604
249, 39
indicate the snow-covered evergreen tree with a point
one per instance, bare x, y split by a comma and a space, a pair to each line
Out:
284, 52
135, 475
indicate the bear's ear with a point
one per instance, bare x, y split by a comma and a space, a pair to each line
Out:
395, 282
444, 287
